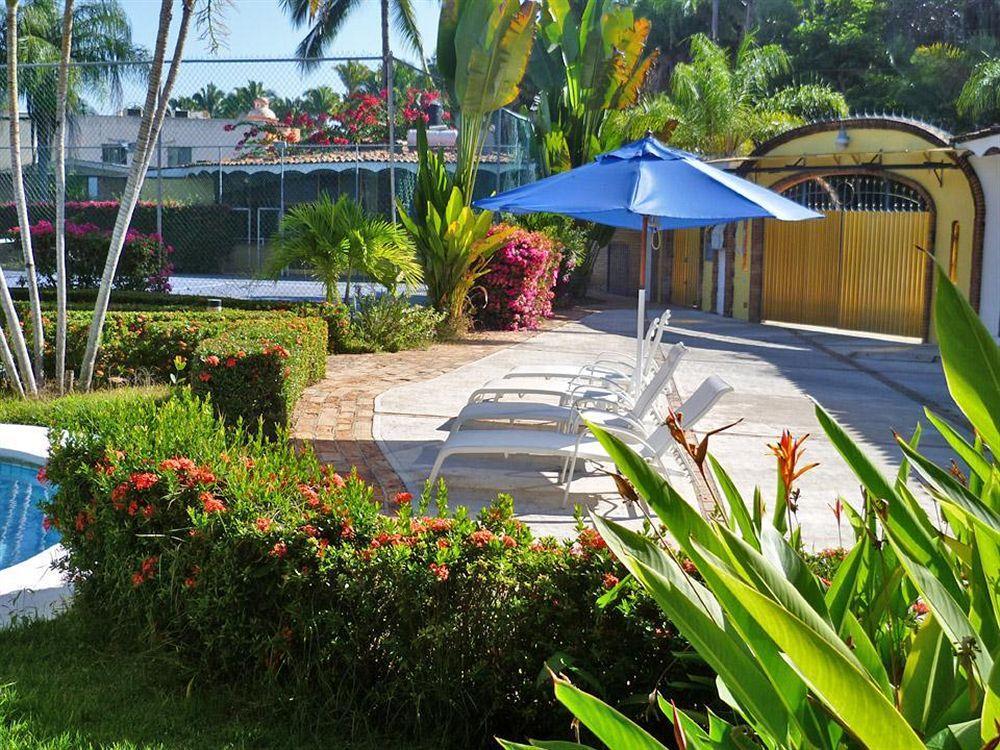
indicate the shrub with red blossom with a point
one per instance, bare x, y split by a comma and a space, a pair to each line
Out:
520, 282
250, 558
361, 117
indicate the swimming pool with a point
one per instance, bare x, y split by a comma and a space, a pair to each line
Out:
22, 535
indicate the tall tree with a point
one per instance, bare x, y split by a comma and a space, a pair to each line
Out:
21, 202
210, 98
980, 95
325, 19
102, 34
723, 103
62, 96
320, 100
157, 98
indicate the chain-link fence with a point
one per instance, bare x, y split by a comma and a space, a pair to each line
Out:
245, 140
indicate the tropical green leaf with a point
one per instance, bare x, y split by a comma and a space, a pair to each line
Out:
683, 521
721, 649
737, 508
970, 358
616, 731
928, 683
975, 459
839, 682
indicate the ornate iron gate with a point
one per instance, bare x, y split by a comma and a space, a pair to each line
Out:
858, 268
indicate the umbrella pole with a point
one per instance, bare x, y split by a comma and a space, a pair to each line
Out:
640, 323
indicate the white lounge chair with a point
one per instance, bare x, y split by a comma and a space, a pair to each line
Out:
623, 412
572, 447
607, 366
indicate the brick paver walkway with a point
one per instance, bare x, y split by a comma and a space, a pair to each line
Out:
335, 414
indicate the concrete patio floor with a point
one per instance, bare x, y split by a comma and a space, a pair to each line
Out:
872, 386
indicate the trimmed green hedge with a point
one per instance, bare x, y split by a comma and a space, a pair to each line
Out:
49, 412
256, 370
337, 316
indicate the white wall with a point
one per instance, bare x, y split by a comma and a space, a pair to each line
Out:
988, 170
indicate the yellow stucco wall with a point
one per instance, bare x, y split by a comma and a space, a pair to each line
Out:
707, 290
741, 272
952, 196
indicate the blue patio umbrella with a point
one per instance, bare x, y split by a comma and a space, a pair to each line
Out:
644, 185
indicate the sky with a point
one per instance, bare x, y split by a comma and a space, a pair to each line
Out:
260, 29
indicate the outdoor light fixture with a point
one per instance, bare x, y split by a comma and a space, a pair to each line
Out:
843, 139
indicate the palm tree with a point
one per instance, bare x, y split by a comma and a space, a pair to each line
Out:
981, 93
722, 104
209, 99
241, 100
332, 238
101, 34
356, 76
319, 100
326, 17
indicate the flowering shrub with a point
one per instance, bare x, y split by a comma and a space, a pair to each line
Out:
360, 118
519, 283
143, 265
252, 559
391, 323
197, 233
256, 370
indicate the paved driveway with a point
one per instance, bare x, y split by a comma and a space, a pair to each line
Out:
871, 386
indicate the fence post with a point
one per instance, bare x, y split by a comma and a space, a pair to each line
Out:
159, 190
220, 180
391, 114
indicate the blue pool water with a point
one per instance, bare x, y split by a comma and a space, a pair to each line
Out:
21, 532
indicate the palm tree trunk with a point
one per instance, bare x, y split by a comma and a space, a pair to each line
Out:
386, 83
17, 185
10, 366
715, 20
62, 92
149, 129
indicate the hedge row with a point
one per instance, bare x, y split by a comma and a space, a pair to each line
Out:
254, 561
337, 316
201, 235
256, 370
153, 347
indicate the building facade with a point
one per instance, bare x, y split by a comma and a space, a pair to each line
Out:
894, 193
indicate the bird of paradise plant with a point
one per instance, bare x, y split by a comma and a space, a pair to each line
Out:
899, 651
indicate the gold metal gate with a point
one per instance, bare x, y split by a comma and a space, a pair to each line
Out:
858, 270
685, 276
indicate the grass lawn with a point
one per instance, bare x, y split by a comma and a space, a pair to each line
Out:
67, 685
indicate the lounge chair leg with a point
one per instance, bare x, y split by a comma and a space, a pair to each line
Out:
569, 480
436, 469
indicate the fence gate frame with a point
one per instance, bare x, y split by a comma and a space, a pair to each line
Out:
838, 212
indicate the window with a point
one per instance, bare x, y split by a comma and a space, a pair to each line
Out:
114, 153
178, 155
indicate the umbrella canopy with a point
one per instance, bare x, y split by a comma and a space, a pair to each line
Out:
670, 188
644, 185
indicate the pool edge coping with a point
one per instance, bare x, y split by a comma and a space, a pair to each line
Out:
30, 588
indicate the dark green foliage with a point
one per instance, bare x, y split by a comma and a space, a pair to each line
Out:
391, 323
256, 370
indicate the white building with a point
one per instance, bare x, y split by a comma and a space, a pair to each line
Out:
984, 155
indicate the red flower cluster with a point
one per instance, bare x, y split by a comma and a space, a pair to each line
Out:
147, 570
481, 537
440, 572
591, 540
